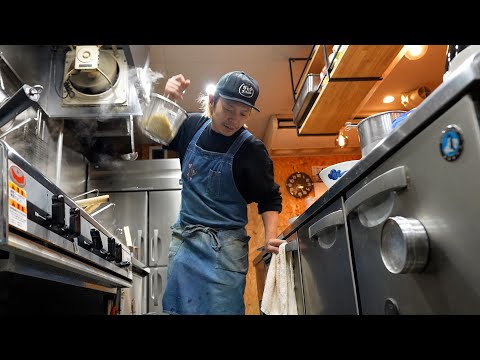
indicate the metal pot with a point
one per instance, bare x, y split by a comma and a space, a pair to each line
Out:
162, 119
373, 129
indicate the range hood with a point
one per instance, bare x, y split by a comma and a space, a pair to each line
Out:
103, 89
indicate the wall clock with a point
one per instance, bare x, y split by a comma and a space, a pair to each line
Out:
299, 184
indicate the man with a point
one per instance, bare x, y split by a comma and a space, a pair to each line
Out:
224, 168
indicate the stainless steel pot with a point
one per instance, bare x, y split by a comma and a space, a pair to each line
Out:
373, 129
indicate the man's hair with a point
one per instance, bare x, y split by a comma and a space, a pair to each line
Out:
205, 106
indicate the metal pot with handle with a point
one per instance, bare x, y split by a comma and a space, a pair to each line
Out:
374, 128
162, 119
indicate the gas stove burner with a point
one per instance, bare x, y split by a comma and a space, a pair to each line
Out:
96, 79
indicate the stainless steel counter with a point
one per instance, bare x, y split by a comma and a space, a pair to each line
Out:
459, 82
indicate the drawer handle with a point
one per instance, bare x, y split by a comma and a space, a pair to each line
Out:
333, 219
291, 246
392, 180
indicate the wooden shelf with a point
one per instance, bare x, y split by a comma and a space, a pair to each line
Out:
352, 82
315, 64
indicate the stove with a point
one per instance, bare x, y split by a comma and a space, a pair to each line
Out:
42, 225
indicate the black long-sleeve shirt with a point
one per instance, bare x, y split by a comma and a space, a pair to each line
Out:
252, 166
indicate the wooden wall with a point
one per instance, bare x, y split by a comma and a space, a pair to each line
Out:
283, 167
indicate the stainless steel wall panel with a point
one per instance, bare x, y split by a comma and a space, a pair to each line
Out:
138, 175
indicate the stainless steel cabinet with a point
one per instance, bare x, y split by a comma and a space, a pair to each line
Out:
163, 209
326, 267
134, 300
147, 196
297, 272
414, 222
262, 263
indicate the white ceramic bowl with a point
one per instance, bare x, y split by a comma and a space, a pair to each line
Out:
331, 174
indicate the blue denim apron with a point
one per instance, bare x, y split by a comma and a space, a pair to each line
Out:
208, 255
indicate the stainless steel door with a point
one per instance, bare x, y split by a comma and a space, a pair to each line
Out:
134, 299
157, 280
164, 207
130, 210
140, 288
425, 209
293, 247
328, 280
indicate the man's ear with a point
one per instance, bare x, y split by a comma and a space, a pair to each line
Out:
210, 99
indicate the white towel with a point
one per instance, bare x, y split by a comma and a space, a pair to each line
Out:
279, 293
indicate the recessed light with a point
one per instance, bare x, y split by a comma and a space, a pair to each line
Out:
388, 99
415, 52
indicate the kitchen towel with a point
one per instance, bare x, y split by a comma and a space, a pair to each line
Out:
279, 294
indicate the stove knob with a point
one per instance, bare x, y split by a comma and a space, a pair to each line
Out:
75, 227
58, 211
404, 245
110, 249
96, 238
118, 253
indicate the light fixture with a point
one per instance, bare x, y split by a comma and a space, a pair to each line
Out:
415, 97
415, 52
388, 99
341, 140
210, 89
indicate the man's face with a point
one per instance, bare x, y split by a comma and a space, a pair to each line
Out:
229, 116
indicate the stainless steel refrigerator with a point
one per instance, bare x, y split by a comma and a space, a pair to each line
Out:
147, 195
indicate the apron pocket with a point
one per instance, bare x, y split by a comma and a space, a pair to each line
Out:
213, 185
233, 255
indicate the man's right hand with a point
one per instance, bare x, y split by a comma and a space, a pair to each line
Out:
272, 245
175, 87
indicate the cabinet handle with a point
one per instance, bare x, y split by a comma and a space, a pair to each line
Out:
152, 291
333, 219
392, 180
142, 247
156, 298
153, 250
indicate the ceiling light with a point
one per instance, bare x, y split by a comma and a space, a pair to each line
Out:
210, 89
415, 52
388, 99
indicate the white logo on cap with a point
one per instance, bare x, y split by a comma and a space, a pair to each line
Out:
246, 91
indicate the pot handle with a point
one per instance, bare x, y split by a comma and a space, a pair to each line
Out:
175, 101
348, 126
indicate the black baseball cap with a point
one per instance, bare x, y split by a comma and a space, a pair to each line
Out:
238, 86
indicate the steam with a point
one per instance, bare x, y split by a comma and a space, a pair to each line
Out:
146, 78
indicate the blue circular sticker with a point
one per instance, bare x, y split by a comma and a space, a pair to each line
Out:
451, 143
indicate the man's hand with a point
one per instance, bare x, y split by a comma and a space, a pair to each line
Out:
271, 245
175, 87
